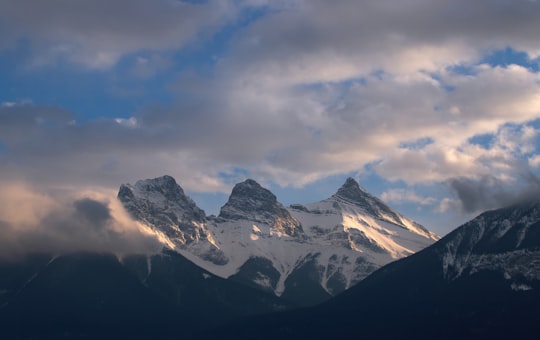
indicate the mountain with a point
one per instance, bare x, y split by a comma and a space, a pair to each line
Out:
250, 201
90, 295
162, 204
303, 253
482, 281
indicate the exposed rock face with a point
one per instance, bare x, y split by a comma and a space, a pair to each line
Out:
162, 204
250, 201
351, 191
505, 240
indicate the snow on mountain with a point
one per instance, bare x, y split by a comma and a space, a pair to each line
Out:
315, 250
481, 281
161, 204
505, 240
250, 201
355, 233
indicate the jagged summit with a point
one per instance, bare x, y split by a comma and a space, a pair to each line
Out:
250, 201
165, 185
161, 191
160, 202
352, 192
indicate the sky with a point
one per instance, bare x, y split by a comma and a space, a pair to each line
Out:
433, 106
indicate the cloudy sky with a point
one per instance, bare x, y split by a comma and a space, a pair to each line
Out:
434, 106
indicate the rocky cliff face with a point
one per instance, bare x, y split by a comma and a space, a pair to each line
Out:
505, 240
161, 204
250, 201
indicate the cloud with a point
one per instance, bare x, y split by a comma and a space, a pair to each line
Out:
487, 192
406, 195
27, 118
35, 222
318, 41
306, 90
534, 161
97, 33
288, 136
506, 157
95, 212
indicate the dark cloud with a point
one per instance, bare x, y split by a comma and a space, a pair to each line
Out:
95, 212
366, 36
97, 33
488, 192
81, 225
19, 121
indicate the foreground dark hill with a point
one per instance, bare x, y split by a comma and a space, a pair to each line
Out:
481, 281
88, 295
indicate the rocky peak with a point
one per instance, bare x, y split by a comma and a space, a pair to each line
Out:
164, 186
162, 203
352, 192
250, 201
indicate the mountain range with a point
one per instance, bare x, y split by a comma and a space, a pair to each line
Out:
481, 281
303, 253
345, 267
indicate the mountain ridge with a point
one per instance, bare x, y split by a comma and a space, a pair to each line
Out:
489, 290
324, 247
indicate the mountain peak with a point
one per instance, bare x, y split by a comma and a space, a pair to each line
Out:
164, 184
250, 201
251, 187
353, 193
351, 190
162, 203
247, 199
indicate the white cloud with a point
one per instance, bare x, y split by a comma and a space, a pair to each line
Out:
448, 204
534, 161
312, 89
406, 195
130, 122
292, 136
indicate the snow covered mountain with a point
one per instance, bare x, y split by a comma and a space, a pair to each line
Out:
304, 253
162, 204
506, 241
481, 281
